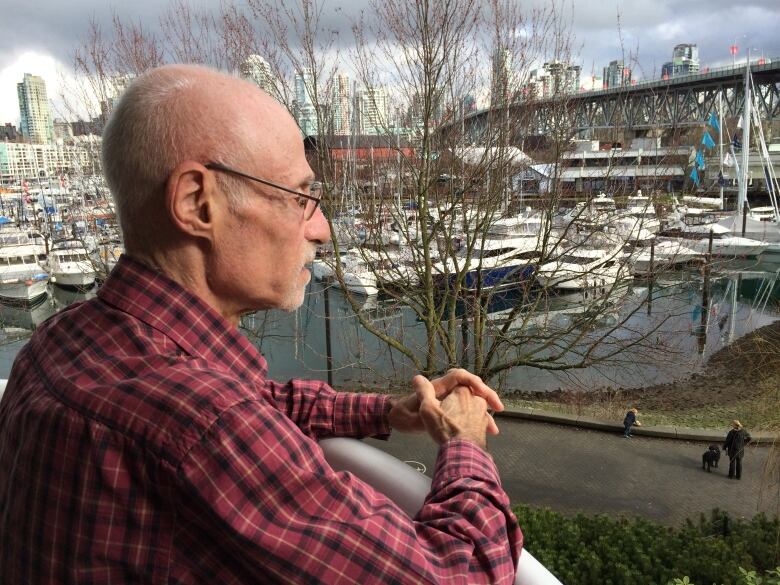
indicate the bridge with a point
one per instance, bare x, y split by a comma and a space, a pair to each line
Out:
675, 103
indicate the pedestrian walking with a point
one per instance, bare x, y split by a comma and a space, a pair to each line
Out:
630, 421
734, 446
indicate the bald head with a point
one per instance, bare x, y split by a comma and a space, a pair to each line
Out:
184, 112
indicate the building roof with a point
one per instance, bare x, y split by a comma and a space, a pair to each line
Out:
346, 142
476, 154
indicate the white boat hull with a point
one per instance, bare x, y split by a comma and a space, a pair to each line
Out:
573, 278
582, 268
666, 254
728, 246
23, 290
320, 270
358, 283
79, 279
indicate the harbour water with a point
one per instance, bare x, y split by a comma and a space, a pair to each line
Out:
677, 333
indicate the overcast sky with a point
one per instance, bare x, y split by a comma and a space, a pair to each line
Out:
39, 36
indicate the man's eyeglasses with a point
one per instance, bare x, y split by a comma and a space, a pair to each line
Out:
307, 201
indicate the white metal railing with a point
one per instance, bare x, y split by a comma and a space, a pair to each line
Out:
408, 488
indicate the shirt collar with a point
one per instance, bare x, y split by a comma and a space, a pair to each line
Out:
182, 316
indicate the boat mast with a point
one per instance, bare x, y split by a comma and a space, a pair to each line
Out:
742, 198
721, 181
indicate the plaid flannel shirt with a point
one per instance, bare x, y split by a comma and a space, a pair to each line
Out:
141, 442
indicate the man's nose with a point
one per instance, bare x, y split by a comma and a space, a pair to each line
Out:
317, 228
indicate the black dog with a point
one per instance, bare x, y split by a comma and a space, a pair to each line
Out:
710, 458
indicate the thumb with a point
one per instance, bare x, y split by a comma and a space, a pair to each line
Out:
431, 413
423, 389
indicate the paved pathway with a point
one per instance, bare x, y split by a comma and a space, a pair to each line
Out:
570, 469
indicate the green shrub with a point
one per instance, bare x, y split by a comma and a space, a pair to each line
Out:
600, 550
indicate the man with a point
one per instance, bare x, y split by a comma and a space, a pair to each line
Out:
734, 446
140, 439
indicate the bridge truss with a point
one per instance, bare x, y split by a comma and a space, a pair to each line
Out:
666, 104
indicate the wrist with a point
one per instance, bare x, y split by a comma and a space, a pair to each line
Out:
388, 412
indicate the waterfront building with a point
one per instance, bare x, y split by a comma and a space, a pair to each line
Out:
591, 166
340, 105
359, 154
685, 61
22, 161
34, 109
304, 106
616, 74
371, 111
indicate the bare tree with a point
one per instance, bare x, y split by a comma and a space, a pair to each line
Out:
442, 186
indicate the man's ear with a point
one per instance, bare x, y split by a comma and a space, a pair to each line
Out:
190, 199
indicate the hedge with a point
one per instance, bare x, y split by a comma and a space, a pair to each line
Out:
600, 550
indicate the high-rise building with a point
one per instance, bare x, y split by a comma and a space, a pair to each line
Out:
416, 115
554, 79
371, 111
340, 105
616, 74
113, 89
304, 108
591, 82
564, 78
685, 61
62, 131
502, 77
34, 109
258, 71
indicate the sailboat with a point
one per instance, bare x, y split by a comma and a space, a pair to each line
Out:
760, 223
743, 233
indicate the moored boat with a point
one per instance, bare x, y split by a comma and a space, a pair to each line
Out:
70, 265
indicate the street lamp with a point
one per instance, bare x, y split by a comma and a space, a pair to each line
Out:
734, 49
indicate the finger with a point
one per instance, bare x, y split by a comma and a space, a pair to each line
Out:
434, 413
430, 407
423, 389
492, 427
459, 376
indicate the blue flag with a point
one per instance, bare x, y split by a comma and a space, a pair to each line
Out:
713, 121
700, 160
707, 140
695, 176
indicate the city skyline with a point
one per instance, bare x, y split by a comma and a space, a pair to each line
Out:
36, 41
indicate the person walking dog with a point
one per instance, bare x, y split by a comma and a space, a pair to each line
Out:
734, 446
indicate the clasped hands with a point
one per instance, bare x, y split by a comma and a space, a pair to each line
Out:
452, 406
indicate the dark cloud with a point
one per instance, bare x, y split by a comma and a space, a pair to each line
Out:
648, 30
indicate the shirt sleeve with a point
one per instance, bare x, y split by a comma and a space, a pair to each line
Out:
277, 512
319, 411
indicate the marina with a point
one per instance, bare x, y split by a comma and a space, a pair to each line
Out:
679, 331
